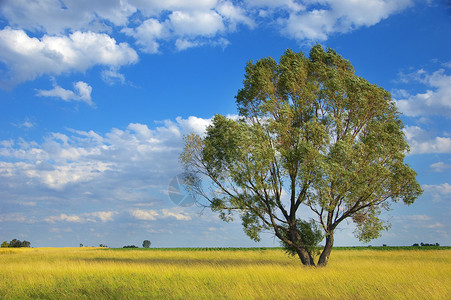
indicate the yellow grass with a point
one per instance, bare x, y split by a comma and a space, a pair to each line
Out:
90, 273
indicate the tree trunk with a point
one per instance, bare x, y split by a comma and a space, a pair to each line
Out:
324, 257
305, 257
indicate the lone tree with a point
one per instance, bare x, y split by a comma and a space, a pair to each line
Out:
311, 136
146, 244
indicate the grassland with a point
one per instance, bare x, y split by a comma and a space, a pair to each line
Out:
93, 273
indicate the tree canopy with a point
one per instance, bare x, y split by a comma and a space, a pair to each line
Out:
312, 136
146, 243
15, 243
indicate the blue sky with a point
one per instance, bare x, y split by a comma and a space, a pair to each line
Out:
95, 97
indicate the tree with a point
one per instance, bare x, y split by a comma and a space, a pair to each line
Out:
26, 244
146, 244
5, 244
311, 136
15, 243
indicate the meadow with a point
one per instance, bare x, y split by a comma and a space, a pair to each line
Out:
96, 273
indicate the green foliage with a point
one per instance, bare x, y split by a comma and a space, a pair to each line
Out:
15, 243
314, 131
311, 235
146, 244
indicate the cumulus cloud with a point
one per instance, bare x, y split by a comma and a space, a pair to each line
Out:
422, 142
82, 92
74, 35
200, 23
434, 101
28, 57
191, 28
55, 16
235, 15
148, 34
338, 16
137, 156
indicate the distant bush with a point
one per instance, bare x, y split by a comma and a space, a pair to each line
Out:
130, 246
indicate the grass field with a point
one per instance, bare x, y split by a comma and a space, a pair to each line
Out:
93, 273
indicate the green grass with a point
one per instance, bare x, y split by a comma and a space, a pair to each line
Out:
94, 273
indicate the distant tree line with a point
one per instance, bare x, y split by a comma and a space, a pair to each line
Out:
15, 243
146, 244
425, 244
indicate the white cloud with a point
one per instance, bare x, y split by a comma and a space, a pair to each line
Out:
198, 23
54, 16
155, 7
13, 217
442, 189
421, 141
152, 215
112, 76
147, 215
290, 5
338, 16
183, 44
27, 124
173, 214
103, 216
189, 28
414, 218
72, 35
235, 15
440, 166
197, 125
64, 217
436, 100
147, 35
27, 57
82, 93
436, 225
438, 192
123, 159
